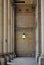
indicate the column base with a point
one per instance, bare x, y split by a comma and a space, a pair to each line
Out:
11, 56
3, 60
41, 60
37, 57
14, 55
6, 57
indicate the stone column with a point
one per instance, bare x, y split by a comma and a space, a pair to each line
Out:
5, 19
41, 59
42, 27
1, 25
9, 26
13, 29
37, 44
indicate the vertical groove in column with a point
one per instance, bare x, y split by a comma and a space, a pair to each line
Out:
9, 26
1, 21
5, 12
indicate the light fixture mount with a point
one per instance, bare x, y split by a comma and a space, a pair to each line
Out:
23, 36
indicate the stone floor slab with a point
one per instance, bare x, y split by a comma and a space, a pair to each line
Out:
23, 61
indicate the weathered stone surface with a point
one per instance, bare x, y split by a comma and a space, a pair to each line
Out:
5, 32
42, 61
23, 61
1, 25
9, 26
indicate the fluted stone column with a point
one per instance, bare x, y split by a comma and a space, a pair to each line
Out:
9, 26
37, 29
12, 32
5, 29
41, 59
11, 29
42, 27
1, 25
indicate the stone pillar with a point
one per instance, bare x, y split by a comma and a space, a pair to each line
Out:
9, 26
1, 26
5, 29
41, 59
13, 29
39, 25
37, 44
42, 27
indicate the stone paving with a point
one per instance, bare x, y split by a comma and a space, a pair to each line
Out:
23, 61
